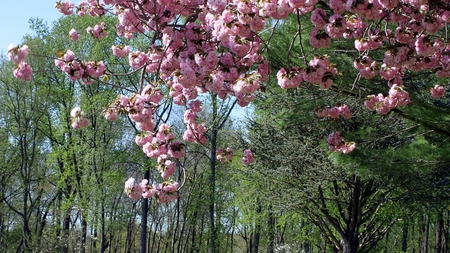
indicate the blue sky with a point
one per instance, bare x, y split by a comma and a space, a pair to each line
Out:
15, 15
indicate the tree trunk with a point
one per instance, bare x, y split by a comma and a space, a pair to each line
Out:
103, 235
83, 232
212, 187
405, 238
256, 235
271, 231
65, 233
349, 246
350, 243
143, 238
439, 231
212, 180
426, 235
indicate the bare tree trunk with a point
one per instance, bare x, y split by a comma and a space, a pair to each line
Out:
439, 231
256, 235
65, 233
212, 192
427, 234
83, 233
405, 238
103, 234
271, 231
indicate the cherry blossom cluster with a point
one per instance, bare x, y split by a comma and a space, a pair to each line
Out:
65, 8
290, 78
73, 34
159, 143
195, 133
120, 51
437, 91
411, 45
337, 144
335, 111
248, 157
78, 120
224, 155
367, 68
319, 71
397, 97
77, 69
17, 55
98, 31
164, 192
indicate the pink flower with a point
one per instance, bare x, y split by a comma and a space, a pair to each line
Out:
345, 111
73, 34
111, 114
195, 106
319, 18
82, 8
189, 116
98, 31
165, 133
78, 121
168, 169
224, 156
17, 54
348, 147
336, 27
176, 149
75, 112
137, 59
437, 91
291, 78
319, 39
23, 71
132, 189
171, 188
337, 144
120, 51
65, 8
248, 157
95, 69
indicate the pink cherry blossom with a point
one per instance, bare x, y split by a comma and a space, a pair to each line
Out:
23, 71
437, 91
337, 144
171, 188
65, 8
248, 157
168, 169
176, 149
135, 190
319, 18
224, 155
120, 51
17, 54
73, 34
165, 133
98, 31
111, 114
137, 59
78, 120
319, 39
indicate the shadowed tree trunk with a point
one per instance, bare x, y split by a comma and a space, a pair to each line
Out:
256, 235
405, 238
439, 231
